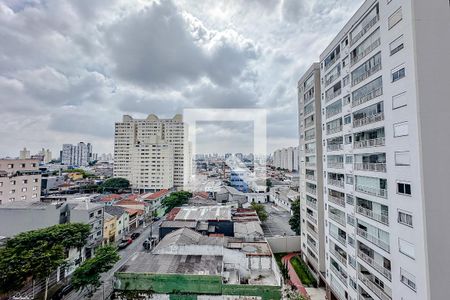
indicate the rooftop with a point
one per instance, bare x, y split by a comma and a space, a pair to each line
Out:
30, 205
186, 236
144, 262
204, 213
178, 224
155, 196
115, 210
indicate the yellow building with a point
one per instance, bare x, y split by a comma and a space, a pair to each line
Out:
75, 176
109, 229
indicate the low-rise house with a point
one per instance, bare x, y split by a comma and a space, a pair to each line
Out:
122, 220
230, 195
110, 199
283, 196
155, 200
109, 229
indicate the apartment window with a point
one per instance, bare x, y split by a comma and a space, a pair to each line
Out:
401, 129
399, 100
10, 166
395, 18
1, 183
348, 139
347, 119
408, 279
405, 218
347, 99
402, 158
91, 215
353, 284
350, 199
349, 179
404, 188
396, 45
349, 159
23, 198
25, 181
24, 189
345, 61
346, 80
406, 248
398, 73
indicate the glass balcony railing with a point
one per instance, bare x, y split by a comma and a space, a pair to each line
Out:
368, 120
377, 142
372, 167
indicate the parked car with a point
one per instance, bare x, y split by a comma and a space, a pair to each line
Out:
156, 219
135, 235
62, 291
124, 243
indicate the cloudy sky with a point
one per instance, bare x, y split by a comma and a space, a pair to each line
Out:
70, 69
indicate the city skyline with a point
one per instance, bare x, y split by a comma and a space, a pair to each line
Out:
71, 84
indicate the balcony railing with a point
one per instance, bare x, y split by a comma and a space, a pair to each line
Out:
337, 218
334, 130
370, 143
311, 190
371, 191
373, 215
372, 167
311, 204
332, 78
368, 120
338, 256
339, 238
336, 200
312, 246
335, 165
366, 74
338, 291
310, 137
384, 294
331, 62
369, 96
311, 218
330, 96
363, 54
333, 112
340, 274
312, 232
364, 297
374, 264
309, 151
310, 177
373, 239
310, 164
364, 30
336, 182
335, 147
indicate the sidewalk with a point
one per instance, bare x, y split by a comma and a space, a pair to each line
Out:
295, 280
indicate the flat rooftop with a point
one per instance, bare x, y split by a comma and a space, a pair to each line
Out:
204, 213
144, 262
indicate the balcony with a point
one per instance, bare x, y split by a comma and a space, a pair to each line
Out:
336, 182
373, 215
310, 177
364, 30
336, 200
332, 78
371, 191
340, 274
312, 232
310, 151
311, 190
312, 204
333, 112
366, 75
373, 239
374, 264
331, 95
367, 279
372, 167
338, 256
339, 238
334, 130
335, 165
373, 94
335, 147
368, 120
357, 58
312, 246
310, 164
369, 143
337, 218
331, 62
311, 218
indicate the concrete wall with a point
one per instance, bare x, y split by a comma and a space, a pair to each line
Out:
284, 244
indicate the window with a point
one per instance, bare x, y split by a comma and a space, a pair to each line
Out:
401, 129
350, 200
405, 218
404, 188
406, 248
24, 189
91, 215
398, 73
402, 158
348, 139
349, 179
346, 80
408, 279
347, 119
395, 18
10, 166
396, 45
349, 159
345, 61
399, 100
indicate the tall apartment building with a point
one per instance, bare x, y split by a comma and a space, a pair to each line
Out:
24, 154
286, 159
311, 172
76, 155
384, 102
20, 179
152, 153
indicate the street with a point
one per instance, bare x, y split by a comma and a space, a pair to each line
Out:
107, 288
278, 221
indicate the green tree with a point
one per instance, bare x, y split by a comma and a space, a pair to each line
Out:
176, 199
36, 254
294, 221
87, 276
260, 211
114, 184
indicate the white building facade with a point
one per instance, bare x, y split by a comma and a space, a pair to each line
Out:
379, 112
75, 155
286, 159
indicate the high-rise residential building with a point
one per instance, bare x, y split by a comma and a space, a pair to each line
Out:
76, 155
152, 153
311, 172
286, 159
20, 179
24, 154
384, 86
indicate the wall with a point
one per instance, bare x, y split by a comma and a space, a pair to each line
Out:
284, 244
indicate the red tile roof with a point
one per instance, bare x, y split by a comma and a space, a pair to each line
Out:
204, 195
173, 213
130, 202
132, 197
157, 195
132, 212
110, 197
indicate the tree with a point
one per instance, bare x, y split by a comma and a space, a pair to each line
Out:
260, 211
36, 254
294, 221
176, 199
87, 276
114, 184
